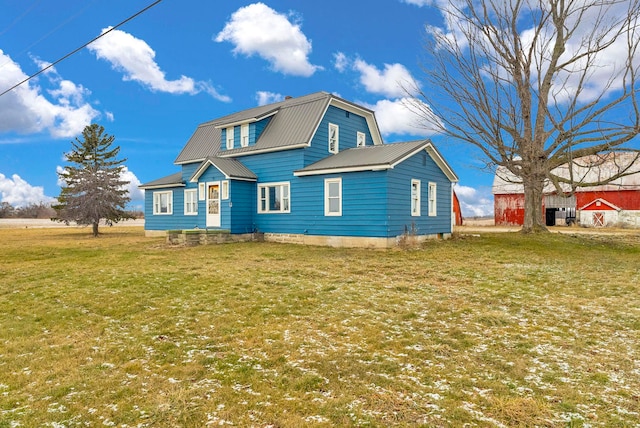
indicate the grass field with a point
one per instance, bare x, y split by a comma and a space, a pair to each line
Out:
495, 330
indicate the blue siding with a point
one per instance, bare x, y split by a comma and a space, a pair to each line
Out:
165, 221
255, 129
271, 168
349, 125
364, 211
242, 207
420, 167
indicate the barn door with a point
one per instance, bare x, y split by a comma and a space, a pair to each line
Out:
598, 219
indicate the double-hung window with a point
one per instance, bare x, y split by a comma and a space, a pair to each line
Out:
415, 198
433, 211
224, 192
244, 135
334, 138
162, 203
274, 198
191, 202
333, 197
229, 138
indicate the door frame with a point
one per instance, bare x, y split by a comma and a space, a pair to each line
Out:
212, 201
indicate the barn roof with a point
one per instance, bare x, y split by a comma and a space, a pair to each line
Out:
588, 169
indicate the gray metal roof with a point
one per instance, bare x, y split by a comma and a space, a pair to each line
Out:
173, 180
204, 142
231, 168
365, 158
293, 124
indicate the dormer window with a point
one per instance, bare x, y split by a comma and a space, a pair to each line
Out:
230, 138
244, 135
361, 139
334, 138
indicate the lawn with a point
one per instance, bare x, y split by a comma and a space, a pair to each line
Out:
493, 330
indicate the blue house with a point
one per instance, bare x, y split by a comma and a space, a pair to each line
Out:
310, 170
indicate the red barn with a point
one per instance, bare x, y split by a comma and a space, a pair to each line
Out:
613, 204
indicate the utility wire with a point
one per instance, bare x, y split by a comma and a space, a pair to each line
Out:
81, 47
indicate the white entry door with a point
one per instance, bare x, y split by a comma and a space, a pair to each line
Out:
213, 204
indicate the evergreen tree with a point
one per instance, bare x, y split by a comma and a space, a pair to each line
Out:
94, 188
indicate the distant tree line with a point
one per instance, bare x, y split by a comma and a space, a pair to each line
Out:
40, 210
33, 210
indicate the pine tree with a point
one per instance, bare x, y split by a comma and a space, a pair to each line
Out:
94, 188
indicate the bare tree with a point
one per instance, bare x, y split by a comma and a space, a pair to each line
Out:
535, 85
94, 188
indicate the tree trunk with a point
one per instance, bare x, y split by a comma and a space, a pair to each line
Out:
533, 194
95, 228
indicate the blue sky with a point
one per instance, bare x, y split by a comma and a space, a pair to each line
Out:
153, 80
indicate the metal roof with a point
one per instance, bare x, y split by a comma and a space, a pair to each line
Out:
231, 168
173, 180
204, 142
293, 124
378, 157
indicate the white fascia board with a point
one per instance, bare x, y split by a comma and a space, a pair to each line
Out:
381, 167
366, 113
260, 151
161, 186
439, 160
244, 121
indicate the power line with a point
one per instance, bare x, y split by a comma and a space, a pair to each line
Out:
81, 47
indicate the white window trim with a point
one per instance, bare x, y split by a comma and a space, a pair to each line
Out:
433, 206
327, 204
336, 146
157, 199
229, 140
194, 200
361, 139
244, 135
282, 184
202, 194
224, 189
415, 198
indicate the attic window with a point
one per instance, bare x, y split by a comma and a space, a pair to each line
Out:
361, 140
334, 138
230, 138
244, 135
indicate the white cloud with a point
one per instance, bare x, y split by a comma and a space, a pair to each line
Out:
257, 29
390, 82
265, 97
136, 59
135, 193
475, 202
26, 110
419, 3
395, 117
340, 61
19, 193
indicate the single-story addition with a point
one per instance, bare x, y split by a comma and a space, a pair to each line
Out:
616, 203
309, 170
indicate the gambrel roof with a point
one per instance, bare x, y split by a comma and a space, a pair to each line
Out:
371, 158
293, 123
